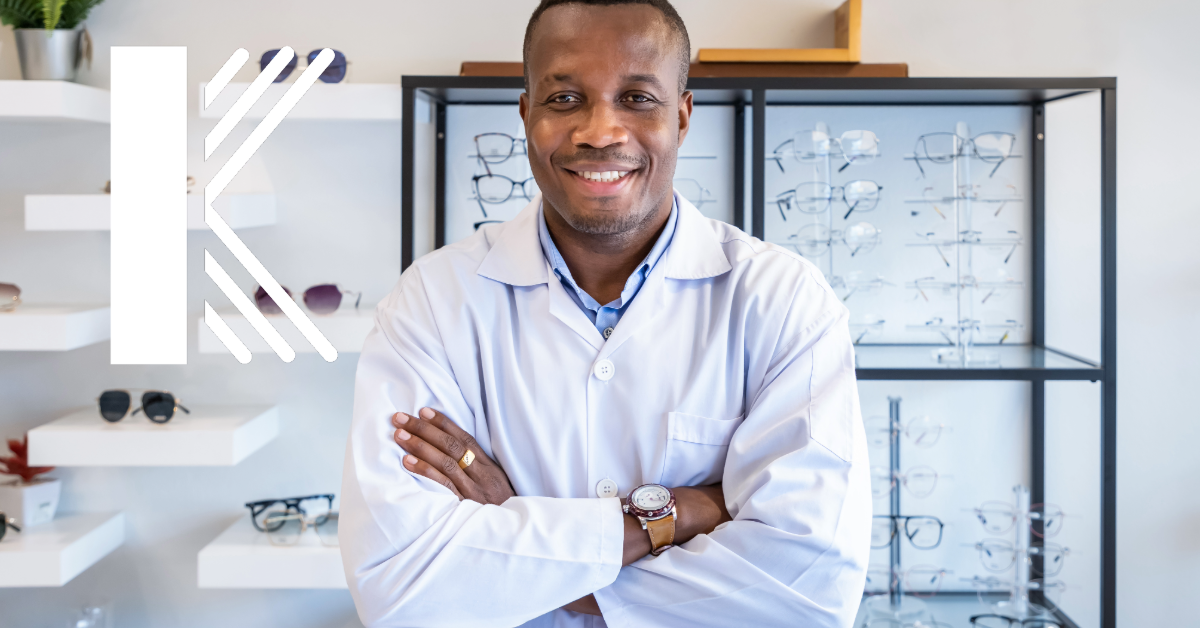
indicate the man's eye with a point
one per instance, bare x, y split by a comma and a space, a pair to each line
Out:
639, 98
564, 99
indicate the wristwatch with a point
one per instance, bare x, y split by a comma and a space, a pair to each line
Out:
654, 506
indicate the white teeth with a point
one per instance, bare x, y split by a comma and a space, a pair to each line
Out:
603, 177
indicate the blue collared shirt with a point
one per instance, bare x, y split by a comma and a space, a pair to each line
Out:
605, 317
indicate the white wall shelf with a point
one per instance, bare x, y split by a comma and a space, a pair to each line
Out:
52, 554
209, 436
48, 101
323, 101
244, 558
91, 212
345, 329
53, 327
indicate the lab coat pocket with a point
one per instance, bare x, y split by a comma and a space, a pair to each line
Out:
696, 449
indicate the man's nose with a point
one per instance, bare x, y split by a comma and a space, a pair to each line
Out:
600, 127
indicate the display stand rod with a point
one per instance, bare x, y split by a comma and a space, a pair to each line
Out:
894, 510
821, 127
1020, 598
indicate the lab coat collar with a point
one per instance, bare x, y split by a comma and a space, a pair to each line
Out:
517, 259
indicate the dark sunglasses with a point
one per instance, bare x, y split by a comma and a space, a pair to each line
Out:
7, 522
332, 74
325, 298
10, 297
158, 405
258, 509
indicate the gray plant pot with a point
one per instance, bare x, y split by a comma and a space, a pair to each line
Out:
48, 55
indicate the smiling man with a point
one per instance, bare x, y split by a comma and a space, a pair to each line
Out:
609, 410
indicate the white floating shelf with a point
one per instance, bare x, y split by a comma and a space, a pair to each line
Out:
91, 212
323, 101
345, 329
244, 558
43, 101
209, 436
51, 554
53, 327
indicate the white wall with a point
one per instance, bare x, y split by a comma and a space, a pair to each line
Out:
323, 235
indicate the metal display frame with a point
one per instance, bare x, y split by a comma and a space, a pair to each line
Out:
1036, 363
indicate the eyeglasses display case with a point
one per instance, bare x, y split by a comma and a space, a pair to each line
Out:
969, 225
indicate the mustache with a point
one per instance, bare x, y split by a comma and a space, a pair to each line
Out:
634, 162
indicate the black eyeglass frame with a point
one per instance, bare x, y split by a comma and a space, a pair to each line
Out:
893, 525
513, 143
290, 504
514, 185
7, 522
1041, 622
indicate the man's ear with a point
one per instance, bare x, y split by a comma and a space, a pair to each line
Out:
523, 107
685, 115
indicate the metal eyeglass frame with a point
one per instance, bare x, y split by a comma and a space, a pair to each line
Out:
993, 546
291, 504
784, 200
965, 145
514, 185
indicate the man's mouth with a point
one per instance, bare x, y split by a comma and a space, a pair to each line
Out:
603, 177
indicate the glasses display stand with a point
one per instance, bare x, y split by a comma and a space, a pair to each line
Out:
1019, 605
895, 605
965, 332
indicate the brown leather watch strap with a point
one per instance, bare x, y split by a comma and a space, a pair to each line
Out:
662, 534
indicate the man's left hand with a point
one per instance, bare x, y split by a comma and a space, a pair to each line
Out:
435, 445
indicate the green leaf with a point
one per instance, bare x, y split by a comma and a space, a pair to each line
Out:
52, 10
21, 13
76, 11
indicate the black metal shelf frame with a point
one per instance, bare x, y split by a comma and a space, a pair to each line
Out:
756, 94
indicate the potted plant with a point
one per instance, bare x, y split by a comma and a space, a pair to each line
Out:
29, 499
49, 43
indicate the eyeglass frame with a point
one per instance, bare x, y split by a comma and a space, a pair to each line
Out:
966, 141
783, 197
895, 529
290, 503
294, 63
1031, 516
515, 184
306, 522
512, 149
7, 522
1013, 621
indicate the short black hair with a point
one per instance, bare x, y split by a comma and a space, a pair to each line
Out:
674, 22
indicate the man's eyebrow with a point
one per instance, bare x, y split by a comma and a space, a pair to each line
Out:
644, 78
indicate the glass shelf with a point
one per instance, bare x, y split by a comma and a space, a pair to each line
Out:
1015, 362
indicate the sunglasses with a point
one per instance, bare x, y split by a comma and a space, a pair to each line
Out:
332, 74
325, 298
7, 522
158, 405
10, 297
321, 504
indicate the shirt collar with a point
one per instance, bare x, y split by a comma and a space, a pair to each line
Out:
516, 258
559, 265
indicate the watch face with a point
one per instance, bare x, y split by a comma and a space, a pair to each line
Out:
650, 497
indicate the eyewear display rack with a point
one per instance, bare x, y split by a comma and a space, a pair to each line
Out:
1035, 362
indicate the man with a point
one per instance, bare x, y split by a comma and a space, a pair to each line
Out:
534, 399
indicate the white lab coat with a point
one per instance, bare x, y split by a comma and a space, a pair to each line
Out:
733, 364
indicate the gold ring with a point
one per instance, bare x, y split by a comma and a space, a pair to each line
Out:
466, 460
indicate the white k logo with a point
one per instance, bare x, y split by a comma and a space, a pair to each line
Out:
226, 234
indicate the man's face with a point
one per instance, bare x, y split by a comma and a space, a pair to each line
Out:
603, 116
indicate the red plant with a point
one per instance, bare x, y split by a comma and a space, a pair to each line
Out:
18, 463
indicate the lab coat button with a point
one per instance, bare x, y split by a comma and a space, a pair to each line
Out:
606, 488
607, 332
604, 370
